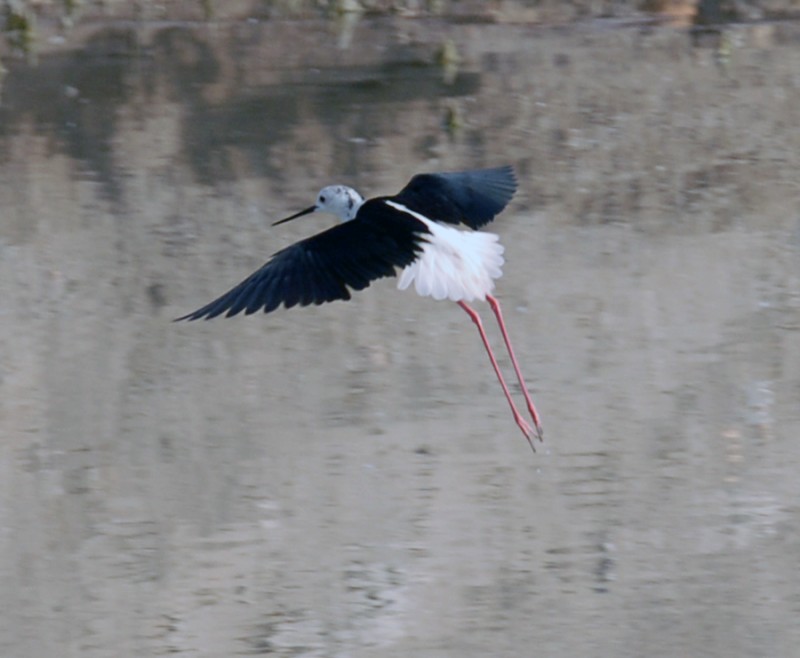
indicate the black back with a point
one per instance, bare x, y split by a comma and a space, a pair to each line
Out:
473, 198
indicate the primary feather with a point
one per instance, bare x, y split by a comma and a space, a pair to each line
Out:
321, 268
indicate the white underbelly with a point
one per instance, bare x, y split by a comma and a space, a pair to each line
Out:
455, 264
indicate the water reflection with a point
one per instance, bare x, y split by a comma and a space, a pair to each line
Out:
344, 479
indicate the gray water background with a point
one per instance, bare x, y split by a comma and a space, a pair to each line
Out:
346, 480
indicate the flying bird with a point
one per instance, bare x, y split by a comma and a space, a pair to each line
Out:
414, 230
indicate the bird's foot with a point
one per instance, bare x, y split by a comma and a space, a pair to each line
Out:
527, 430
537, 423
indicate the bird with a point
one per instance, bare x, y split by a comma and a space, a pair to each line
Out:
418, 231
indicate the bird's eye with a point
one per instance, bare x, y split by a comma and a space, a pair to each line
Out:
322, 199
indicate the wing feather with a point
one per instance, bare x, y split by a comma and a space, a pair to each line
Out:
324, 267
473, 197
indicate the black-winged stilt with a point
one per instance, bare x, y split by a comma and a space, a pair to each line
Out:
412, 230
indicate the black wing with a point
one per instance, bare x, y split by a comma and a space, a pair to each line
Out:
320, 268
469, 197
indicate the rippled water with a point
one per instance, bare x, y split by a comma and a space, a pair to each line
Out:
346, 480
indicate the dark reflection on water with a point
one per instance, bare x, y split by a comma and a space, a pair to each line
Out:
76, 100
345, 479
355, 104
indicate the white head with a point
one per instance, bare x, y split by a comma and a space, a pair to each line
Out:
338, 200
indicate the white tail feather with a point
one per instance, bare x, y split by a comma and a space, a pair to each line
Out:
454, 264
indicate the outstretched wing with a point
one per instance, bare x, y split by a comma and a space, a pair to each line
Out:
469, 197
321, 268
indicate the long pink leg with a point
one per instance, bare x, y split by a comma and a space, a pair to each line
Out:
527, 430
531, 408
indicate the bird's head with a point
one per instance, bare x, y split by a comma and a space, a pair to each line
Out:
338, 200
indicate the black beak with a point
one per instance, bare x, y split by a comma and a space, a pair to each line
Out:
296, 215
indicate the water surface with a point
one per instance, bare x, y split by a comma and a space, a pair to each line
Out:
346, 480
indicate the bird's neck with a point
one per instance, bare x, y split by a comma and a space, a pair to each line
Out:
351, 210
